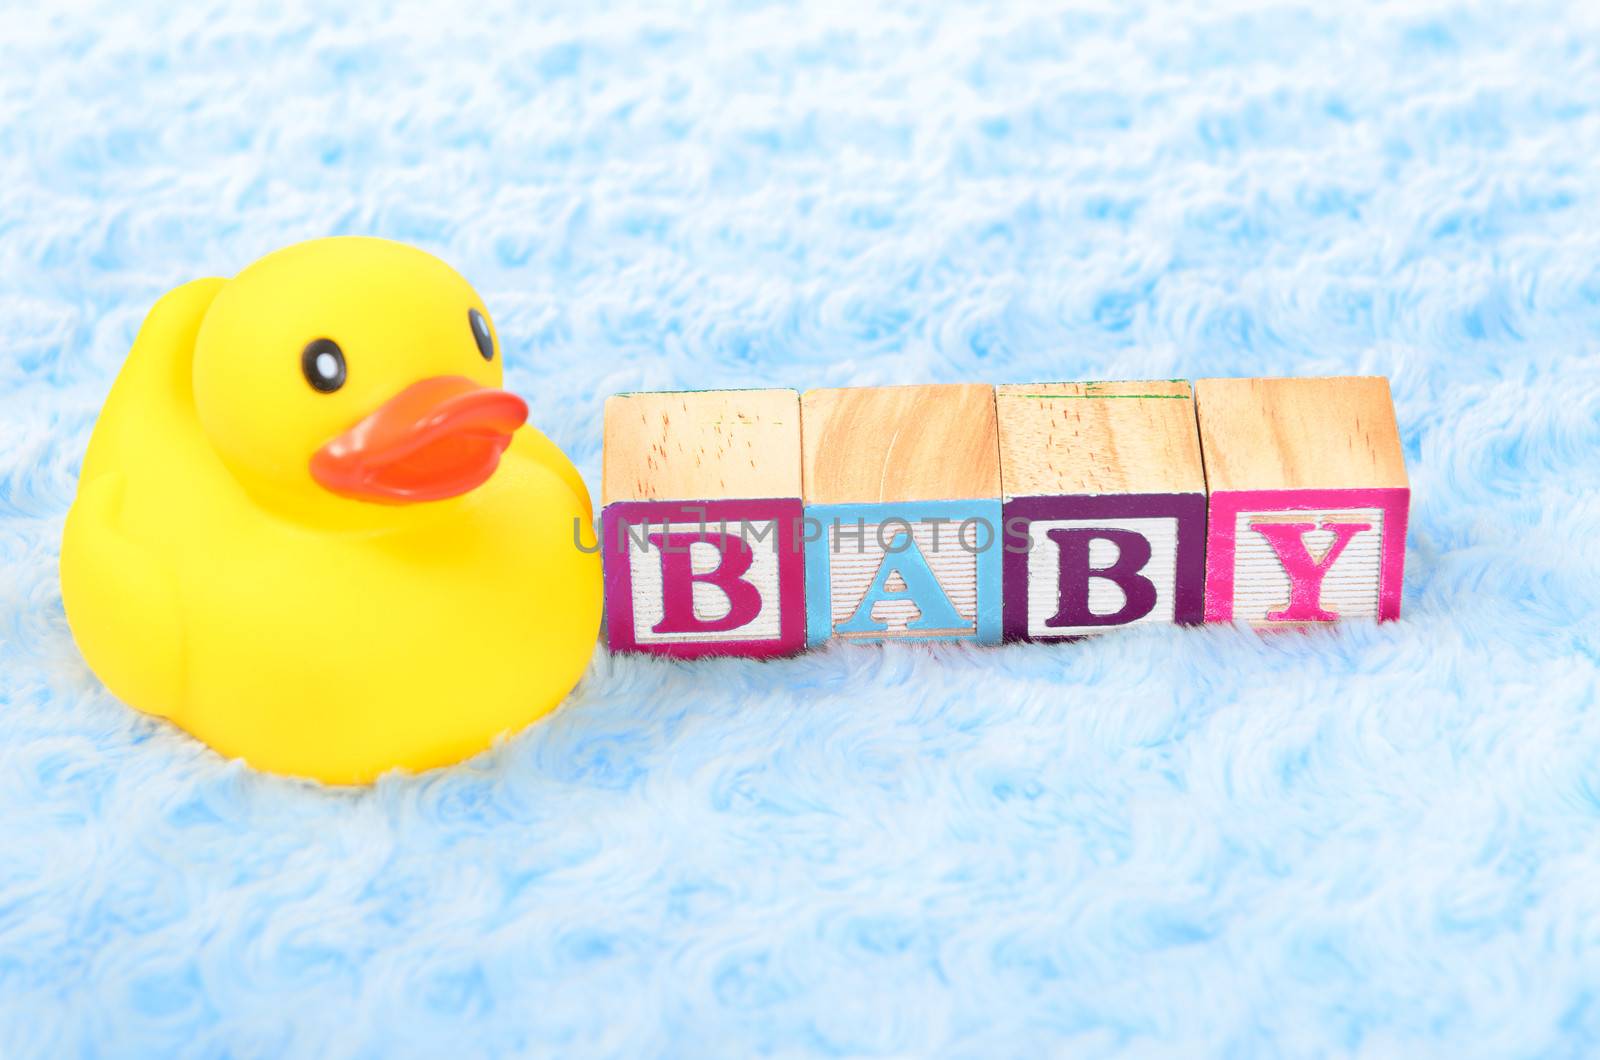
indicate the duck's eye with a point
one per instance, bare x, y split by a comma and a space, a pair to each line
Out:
480, 331
323, 364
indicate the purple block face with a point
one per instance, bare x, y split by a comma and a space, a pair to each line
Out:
705, 577
1078, 565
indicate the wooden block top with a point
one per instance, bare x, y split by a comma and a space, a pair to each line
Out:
1270, 434
864, 445
701, 445
1098, 438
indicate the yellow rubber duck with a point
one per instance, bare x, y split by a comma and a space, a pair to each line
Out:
312, 530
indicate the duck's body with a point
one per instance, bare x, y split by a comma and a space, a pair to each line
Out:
309, 633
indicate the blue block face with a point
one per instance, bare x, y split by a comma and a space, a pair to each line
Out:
923, 570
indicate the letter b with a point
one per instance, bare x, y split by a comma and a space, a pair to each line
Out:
678, 579
1133, 552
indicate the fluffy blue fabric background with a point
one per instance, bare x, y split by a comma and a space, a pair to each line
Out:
1374, 839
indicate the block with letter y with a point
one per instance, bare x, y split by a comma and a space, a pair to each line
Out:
902, 493
1309, 500
1105, 507
701, 531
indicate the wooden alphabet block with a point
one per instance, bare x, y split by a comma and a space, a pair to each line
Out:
1309, 499
1104, 504
701, 533
902, 493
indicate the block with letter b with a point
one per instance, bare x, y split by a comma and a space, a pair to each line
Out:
1104, 505
902, 493
701, 531
1309, 500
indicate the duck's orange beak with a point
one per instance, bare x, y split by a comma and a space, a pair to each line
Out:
437, 438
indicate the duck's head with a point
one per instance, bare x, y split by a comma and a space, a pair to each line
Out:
354, 369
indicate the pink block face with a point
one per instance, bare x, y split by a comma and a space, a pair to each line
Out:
704, 578
1298, 556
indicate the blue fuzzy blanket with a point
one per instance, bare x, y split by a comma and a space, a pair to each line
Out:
1382, 840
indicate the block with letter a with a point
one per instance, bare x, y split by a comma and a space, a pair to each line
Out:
902, 493
701, 533
1105, 507
1309, 500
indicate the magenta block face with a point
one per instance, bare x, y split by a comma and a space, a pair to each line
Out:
1305, 555
705, 577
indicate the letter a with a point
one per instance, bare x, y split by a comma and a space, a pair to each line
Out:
1305, 574
678, 578
1133, 552
922, 589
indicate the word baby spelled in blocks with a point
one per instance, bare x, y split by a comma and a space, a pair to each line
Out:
700, 533
1309, 499
902, 494
1105, 507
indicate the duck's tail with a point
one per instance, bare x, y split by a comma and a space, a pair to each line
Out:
156, 379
